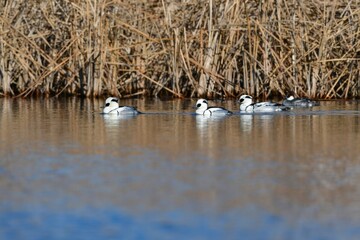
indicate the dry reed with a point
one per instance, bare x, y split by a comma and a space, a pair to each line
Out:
180, 48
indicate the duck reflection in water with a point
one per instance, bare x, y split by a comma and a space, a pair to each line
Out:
112, 120
203, 121
246, 122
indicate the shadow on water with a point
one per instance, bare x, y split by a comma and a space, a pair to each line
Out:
69, 172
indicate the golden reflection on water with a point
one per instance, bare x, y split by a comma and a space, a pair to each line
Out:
281, 162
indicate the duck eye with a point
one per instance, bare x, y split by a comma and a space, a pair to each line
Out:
241, 100
107, 104
198, 105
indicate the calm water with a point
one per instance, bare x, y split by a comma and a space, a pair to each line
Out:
68, 172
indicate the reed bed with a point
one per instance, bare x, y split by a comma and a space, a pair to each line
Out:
180, 48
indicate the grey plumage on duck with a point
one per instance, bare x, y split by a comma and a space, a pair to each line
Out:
291, 101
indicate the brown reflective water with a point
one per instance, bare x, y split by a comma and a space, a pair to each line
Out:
66, 170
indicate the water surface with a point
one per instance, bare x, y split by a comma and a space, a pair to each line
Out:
68, 172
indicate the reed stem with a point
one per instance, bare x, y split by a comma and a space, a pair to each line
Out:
210, 48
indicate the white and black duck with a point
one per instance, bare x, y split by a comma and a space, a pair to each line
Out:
247, 105
291, 101
202, 108
112, 107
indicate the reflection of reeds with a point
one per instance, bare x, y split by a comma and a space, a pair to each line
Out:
180, 48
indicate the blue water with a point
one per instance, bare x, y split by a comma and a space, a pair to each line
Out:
54, 212
50, 210
78, 175
113, 223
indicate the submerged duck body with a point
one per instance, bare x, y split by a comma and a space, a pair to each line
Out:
112, 107
299, 102
247, 105
202, 108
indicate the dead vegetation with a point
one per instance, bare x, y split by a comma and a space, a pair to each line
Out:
180, 48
